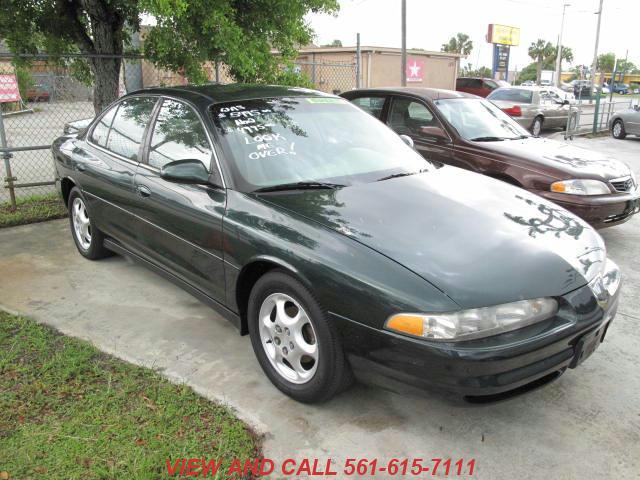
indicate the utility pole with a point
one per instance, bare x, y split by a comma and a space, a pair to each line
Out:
559, 49
403, 63
594, 65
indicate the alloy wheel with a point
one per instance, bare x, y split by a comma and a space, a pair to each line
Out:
617, 129
288, 338
81, 223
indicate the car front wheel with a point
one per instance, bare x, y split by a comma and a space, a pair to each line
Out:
295, 344
88, 239
617, 130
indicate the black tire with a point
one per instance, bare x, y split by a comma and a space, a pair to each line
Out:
617, 130
536, 125
93, 249
332, 373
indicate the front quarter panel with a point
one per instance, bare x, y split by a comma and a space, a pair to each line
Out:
347, 278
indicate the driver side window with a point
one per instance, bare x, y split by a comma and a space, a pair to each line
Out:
178, 134
408, 117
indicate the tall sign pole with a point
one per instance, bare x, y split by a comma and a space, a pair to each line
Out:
559, 48
403, 63
594, 65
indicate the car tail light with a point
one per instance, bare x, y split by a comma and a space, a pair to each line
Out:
514, 111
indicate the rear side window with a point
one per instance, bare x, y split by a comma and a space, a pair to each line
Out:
128, 126
372, 105
462, 83
101, 130
178, 134
512, 95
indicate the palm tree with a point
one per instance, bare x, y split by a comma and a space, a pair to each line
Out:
458, 44
539, 51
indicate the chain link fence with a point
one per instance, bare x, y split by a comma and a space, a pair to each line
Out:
51, 97
592, 117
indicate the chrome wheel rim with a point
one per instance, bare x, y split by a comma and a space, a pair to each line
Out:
536, 127
617, 129
288, 338
81, 223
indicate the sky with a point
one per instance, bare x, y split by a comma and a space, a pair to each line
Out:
430, 23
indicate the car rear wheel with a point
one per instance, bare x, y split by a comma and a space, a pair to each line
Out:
295, 344
536, 126
617, 130
88, 239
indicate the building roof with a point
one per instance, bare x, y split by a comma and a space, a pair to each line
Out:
363, 49
215, 93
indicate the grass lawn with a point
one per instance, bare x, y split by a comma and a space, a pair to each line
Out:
36, 208
69, 411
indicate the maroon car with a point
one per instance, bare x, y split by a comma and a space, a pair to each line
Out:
465, 131
479, 86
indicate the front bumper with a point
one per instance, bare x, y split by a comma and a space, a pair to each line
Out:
600, 211
485, 367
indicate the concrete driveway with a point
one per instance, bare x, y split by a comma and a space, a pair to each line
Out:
585, 425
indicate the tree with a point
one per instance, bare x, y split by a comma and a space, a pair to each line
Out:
482, 72
335, 43
606, 62
458, 44
240, 33
567, 55
540, 51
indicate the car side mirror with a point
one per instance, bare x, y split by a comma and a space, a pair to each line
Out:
407, 139
565, 102
189, 171
434, 132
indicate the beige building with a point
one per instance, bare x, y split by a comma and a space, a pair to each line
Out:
332, 69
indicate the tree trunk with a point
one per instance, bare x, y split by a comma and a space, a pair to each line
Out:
539, 70
106, 28
106, 72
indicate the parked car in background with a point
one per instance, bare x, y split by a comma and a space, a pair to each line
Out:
479, 86
625, 122
314, 228
458, 129
528, 83
557, 94
38, 93
546, 83
532, 107
582, 89
620, 88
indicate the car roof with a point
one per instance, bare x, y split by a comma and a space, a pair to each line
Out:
216, 93
429, 93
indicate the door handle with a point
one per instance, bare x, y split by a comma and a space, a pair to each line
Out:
143, 191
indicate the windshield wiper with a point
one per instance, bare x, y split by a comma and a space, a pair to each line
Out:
487, 139
397, 175
299, 186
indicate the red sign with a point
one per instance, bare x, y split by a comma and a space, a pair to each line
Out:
9, 89
415, 69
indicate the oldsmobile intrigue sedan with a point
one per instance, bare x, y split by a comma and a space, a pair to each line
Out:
471, 133
338, 248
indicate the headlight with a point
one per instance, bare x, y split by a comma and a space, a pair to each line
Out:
581, 187
473, 323
633, 177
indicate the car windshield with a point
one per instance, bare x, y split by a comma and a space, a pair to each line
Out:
316, 140
478, 119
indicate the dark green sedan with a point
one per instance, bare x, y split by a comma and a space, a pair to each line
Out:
316, 229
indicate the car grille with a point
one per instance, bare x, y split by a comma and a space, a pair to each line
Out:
622, 184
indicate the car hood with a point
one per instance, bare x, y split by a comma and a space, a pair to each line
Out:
480, 241
569, 160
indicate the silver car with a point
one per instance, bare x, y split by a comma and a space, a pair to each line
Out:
534, 108
625, 122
